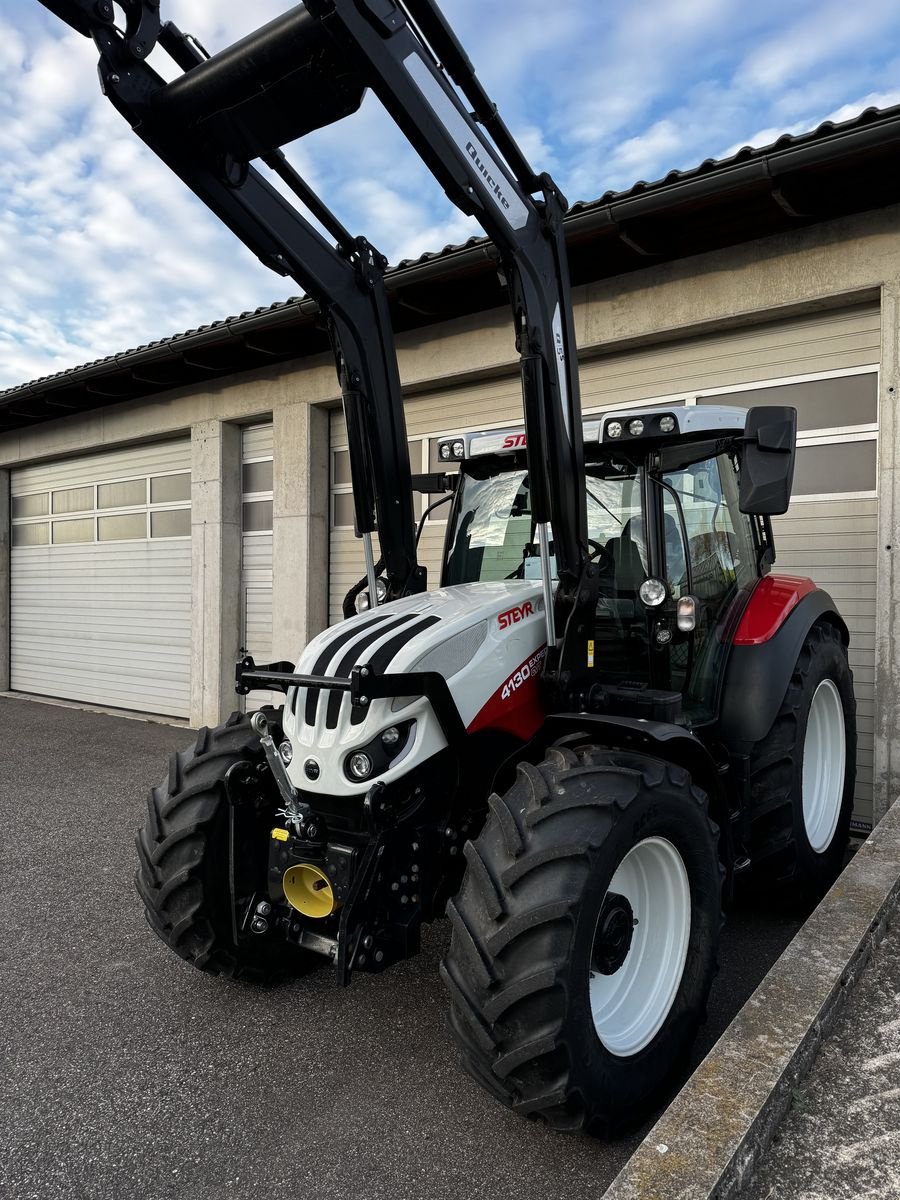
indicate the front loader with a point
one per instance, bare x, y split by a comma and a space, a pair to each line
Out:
607, 710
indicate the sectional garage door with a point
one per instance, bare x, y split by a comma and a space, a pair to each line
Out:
825, 363
256, 552
101, 579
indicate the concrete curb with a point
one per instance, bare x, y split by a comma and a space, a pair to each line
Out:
706, 1144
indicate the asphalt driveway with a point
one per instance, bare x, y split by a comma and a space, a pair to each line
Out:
128, 1074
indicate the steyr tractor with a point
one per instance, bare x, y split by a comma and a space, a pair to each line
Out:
609, 707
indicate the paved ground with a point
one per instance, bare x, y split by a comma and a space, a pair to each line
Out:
841, 1139
130, 1076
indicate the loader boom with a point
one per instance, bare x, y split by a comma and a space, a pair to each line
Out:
309, 68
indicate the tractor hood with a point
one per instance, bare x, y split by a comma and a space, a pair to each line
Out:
477, 635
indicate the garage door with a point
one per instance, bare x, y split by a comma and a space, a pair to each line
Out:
256, 551
825, 363
101, 579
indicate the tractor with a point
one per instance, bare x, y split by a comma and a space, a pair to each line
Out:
607, 711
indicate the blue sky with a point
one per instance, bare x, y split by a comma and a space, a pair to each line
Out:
101, 249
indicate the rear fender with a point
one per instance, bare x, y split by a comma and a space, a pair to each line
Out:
758, 672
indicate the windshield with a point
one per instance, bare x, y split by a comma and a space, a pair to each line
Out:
494, 536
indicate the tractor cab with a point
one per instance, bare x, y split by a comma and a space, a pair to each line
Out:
676, 556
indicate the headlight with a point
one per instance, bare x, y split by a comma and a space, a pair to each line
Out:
652, 592
614, 429
359, 766
364, 600
459, 449
636, 427
666, 424
445, 450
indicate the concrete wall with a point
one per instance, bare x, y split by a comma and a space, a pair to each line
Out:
831, 264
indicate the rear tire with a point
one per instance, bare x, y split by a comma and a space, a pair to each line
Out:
525, 953
183, 853
802, 774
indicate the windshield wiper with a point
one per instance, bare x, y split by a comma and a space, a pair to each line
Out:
597, 500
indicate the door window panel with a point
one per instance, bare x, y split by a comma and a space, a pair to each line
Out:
166, 489
127, 494
841, 467
31, 506
73, 500
171, 522
124, 527
65, 532
257, 476
257, 516
35, 534
820, 403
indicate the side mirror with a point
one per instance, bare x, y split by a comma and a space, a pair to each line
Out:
767, 464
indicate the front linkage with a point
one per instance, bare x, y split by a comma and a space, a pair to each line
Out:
352, 885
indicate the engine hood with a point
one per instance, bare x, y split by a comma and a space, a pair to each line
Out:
475, 629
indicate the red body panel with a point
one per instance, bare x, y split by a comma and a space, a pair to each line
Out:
774, 597
517, 705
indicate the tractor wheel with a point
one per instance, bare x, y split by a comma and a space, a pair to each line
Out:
183, 852
585, 936
802, 774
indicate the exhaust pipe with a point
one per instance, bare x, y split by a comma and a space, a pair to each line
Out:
308, 890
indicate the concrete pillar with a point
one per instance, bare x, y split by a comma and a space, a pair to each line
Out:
300, 527
5, 580
887, 606
215, 569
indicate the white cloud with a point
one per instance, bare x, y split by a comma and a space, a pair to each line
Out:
103, 248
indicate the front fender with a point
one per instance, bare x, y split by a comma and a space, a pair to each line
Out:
658, 739
757, 674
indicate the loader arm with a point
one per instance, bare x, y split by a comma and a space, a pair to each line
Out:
412, 59
195, 124
309, 68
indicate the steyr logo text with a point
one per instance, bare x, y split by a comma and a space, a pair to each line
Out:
513, 615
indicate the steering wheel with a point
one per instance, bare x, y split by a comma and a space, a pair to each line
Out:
601, 556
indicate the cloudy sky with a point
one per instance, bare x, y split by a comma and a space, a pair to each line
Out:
101, 249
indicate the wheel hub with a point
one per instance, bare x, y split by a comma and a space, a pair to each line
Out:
615, 929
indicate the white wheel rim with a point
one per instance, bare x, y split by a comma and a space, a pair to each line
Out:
824, 762
630, 1006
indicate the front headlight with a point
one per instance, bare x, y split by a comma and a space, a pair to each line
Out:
652, 592
378, 755
364, 601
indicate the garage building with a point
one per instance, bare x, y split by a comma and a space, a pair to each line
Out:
169, 505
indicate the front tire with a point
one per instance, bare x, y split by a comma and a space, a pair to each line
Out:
184, 856
593, 864
802, 774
